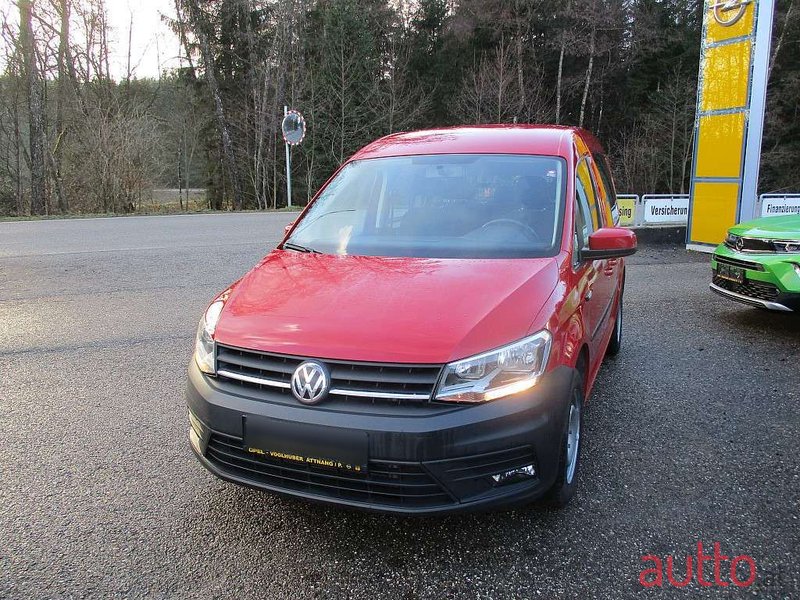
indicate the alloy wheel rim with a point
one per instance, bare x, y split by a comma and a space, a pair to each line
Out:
573, 440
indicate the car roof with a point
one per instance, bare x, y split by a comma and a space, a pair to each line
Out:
548, 140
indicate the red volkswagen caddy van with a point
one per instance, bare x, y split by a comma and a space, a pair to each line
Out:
424, 337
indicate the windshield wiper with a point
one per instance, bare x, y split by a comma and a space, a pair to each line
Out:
299, 248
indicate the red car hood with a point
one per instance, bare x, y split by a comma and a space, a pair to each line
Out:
414, 310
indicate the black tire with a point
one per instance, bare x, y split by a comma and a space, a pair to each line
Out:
563, 489
615, 343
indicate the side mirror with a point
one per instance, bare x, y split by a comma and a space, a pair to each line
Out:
610, 242
288, 228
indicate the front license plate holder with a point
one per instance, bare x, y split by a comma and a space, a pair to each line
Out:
730, 273
307, 444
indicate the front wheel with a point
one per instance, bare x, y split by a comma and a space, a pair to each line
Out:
564, 487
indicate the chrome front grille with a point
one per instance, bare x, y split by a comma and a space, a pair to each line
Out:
745, 244
357, 381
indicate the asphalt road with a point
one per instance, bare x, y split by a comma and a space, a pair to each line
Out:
691, 435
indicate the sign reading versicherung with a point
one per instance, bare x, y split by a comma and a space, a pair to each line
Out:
666, 208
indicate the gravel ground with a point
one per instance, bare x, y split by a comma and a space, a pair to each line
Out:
691, 435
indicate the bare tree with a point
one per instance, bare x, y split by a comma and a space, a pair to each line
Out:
563, 41
590, 67
399, 100
35, 95
199, 25
787, 20
61, 102
490, 94
11, 92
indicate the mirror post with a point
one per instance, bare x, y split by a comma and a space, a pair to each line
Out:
293, 128
288, 166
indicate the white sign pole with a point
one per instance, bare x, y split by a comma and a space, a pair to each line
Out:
758, 101
288, 167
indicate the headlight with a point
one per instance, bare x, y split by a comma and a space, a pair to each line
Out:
204, 344
498, 373
731, 239
788, 247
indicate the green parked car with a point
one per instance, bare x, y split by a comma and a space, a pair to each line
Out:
759, 263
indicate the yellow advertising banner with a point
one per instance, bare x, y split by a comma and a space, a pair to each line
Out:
730, 99
627, 210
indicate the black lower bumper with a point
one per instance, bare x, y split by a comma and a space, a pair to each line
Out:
781, 302
426, 463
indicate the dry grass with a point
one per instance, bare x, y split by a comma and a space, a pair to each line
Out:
167, 201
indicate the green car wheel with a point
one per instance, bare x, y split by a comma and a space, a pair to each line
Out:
759, 264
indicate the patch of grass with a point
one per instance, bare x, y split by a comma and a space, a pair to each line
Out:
143, 213
154, 202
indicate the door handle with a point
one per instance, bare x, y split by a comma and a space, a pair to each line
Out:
588, 295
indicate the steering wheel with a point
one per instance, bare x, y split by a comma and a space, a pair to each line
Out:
529, 231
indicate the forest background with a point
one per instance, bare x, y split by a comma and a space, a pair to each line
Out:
77, 138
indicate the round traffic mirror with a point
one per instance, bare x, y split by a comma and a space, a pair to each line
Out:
293, 128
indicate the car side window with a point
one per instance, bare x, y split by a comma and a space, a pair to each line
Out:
578, 234
586, 217
607, 183
605, 189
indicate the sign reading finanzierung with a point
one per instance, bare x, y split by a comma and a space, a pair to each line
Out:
775, 205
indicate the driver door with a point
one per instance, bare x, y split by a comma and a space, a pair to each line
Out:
596, 296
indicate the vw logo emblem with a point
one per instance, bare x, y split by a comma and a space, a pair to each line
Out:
310, 382
739, 244
728, 12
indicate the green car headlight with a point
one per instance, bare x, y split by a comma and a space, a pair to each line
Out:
498, 373
731, 239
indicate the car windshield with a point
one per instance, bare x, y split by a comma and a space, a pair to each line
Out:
439, 206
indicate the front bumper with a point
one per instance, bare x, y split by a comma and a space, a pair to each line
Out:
771, 281
439, 460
